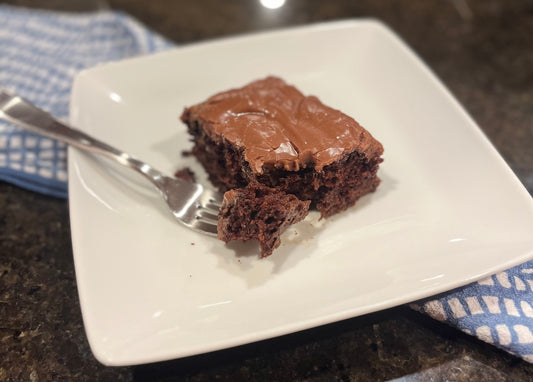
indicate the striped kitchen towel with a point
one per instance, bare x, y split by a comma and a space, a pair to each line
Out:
41, 52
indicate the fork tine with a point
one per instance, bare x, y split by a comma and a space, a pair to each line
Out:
204, 218
212, 208
214, 197
207, 215
213, 203
210, 200
204, 227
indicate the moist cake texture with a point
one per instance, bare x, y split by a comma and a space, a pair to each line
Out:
261, 213
270, 133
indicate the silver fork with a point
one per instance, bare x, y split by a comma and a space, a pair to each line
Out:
191, 203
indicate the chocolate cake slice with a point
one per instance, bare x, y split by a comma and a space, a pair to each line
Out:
269, 132
259, 212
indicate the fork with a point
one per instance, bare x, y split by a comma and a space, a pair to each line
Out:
191, 203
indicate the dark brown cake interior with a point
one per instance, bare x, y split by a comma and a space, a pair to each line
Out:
332, 190
257, 212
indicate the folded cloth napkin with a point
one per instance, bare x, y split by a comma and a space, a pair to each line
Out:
42, 51
497, 310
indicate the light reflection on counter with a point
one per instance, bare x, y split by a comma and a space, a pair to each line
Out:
460, 369
272, 4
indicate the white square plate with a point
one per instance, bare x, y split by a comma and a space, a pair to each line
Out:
449, 211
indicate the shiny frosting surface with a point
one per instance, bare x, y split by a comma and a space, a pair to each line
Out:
277, 125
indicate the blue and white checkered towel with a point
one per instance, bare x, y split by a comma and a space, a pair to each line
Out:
42, 51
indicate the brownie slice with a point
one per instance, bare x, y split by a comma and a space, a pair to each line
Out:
259, 212
269, 132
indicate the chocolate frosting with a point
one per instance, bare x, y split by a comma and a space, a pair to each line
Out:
277, 125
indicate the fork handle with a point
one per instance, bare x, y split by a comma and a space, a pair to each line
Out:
26, 115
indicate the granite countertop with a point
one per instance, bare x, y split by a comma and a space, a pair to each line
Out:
483, 52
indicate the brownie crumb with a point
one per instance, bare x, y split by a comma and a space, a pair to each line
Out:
258, 212
185, 174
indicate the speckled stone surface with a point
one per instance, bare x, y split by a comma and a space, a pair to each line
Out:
482, 50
